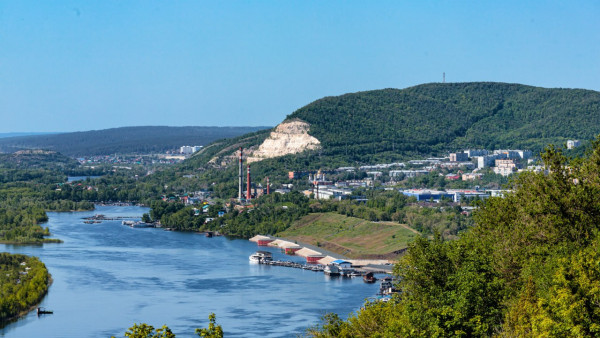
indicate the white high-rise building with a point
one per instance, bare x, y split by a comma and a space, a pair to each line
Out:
187, 150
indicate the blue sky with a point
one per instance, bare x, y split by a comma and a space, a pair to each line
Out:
83, 65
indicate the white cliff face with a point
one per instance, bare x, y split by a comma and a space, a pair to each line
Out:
288, 138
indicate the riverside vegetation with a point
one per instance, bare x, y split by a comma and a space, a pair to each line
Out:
529, 267
23, 282
501, 276
274, 214
25, 196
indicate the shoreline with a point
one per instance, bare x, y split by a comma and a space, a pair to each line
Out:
52, 241
305, 250
23, 313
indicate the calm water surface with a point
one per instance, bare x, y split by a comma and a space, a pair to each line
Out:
80, 178
108, 276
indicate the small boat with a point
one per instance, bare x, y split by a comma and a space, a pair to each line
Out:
138, 224
43, 311
346, 272
263, 257
369, 278
332, 270
208, 234
142, 225
387, 287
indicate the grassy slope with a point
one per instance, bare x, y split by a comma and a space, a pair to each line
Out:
351, 237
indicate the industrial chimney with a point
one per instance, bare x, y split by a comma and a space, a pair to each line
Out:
240, 177
268, 186
248, 192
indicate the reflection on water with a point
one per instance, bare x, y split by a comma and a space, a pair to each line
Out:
108, 276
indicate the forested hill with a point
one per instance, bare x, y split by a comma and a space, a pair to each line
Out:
125, 140
29, 159
437, 117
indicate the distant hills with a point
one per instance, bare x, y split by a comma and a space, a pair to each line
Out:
125, 140
427, 120
3, 135
438, 117
36, 159
383, 126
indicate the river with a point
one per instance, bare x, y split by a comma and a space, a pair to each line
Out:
109, 276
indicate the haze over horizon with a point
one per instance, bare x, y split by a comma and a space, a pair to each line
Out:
76, 66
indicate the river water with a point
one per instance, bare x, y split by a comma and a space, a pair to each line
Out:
80, 178
109, 276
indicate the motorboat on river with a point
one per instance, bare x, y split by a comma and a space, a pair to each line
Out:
262, 257
387, 287
332, 270
369, 278
138, 224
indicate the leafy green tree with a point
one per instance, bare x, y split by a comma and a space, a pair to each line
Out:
529, 267
213, 330
144, 330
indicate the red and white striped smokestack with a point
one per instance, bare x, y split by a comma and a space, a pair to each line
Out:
241, 177
268, 186
248, 193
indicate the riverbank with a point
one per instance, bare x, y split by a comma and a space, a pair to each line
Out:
4, 322
23, 277
320, 255
158, 276
352, 237
43, 241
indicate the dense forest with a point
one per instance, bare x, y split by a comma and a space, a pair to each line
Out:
125, 140
528, 268
383, 126
269, 215
439, 117
42, 159
23, 282
25, 196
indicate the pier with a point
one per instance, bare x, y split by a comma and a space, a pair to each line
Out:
43, 311
319, 256
100, 217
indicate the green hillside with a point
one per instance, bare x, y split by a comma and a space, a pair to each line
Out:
350, 236
31, 159
434, 118
427, 120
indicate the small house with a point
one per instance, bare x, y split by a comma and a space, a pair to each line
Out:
342, 263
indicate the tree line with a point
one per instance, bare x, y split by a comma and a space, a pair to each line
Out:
529, 266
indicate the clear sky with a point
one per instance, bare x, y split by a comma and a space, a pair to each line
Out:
83, 65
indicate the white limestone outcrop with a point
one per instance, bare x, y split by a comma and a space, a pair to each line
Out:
288, 138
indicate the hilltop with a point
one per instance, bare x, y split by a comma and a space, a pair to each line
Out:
125, 140
36, 159
438, 117
425, 120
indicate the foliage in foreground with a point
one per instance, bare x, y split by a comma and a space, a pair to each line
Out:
530, 267
144, 330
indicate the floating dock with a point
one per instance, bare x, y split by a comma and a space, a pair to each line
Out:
317, 256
